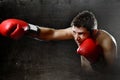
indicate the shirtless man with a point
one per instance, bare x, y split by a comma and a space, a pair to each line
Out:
98, 48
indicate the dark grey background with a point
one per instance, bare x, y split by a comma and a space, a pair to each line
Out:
30, 59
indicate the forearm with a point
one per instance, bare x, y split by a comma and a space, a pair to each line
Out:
45, 33
38, 32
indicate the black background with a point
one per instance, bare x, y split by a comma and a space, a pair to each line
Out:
30, 59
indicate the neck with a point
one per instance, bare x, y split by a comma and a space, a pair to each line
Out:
95, 33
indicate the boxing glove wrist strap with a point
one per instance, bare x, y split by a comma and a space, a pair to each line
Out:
33, 29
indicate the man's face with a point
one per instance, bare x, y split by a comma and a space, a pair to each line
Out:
80, 34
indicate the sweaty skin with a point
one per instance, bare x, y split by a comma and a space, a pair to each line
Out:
102, 37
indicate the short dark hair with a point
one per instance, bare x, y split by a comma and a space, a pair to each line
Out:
85, 19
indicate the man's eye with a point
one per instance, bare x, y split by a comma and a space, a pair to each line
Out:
80, 33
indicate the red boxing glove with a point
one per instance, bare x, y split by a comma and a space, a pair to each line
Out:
90, 50
15, 28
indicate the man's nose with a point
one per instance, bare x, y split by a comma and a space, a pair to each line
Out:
77, 37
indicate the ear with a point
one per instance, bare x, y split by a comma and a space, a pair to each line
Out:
95, 32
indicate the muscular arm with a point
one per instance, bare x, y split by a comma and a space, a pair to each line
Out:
54, 34
110, 49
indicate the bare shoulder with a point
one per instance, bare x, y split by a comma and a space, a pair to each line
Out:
107, 40
62, 34
106, 35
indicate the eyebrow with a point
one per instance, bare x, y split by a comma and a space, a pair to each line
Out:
78, 32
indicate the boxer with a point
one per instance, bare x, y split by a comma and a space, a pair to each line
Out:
96, 47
